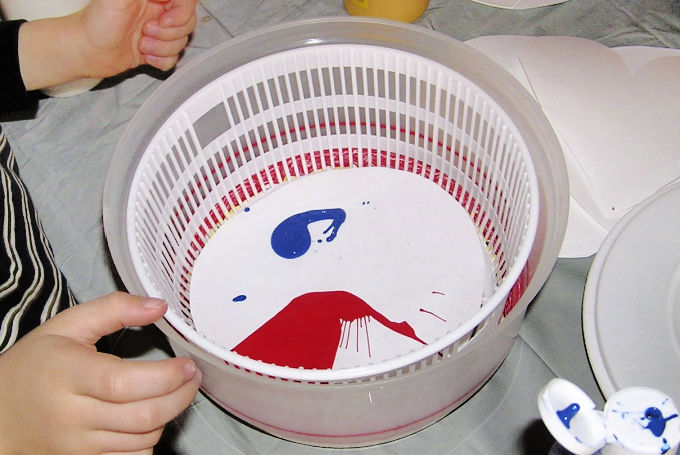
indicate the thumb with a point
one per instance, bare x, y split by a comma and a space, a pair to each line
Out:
90, 321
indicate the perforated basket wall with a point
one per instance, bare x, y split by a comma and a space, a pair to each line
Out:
311, 109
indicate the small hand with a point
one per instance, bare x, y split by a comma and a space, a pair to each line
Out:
105, 38
60, 396
121, 34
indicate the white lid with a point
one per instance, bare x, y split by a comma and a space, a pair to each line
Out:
571, 417
639, 419
642, 420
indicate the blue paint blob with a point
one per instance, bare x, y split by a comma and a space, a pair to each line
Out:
239, 298
568, 413
291, 239
247, 209
656, 421
665, 446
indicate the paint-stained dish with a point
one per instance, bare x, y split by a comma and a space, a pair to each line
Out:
635, 420
631, 306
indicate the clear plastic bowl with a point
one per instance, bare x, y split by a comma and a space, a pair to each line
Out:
388, 400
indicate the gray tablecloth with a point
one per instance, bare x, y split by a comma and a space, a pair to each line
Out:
64, 149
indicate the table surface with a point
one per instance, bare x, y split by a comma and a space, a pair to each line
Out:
63, 151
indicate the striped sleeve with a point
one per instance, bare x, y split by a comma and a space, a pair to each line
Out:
32, 289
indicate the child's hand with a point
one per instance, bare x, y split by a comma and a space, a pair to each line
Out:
105, 38
120, 34
58, 395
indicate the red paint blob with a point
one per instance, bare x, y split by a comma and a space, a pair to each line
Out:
307, 332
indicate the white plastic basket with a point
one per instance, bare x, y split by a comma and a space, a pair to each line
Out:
305, 105
308, 110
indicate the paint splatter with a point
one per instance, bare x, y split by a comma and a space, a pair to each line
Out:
568, 413
346, 333
656, 422
291, 238
309, 330
239, 298
665, 446
430, 312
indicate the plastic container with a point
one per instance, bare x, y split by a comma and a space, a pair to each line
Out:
302, 98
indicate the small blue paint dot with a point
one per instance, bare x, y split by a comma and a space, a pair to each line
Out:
247, 209
319, 241
239, 298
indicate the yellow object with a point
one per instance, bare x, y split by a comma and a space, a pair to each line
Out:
400, 10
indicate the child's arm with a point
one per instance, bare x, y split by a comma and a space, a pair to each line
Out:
60, 396
105, 38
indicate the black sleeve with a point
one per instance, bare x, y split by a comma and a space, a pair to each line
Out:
13, 94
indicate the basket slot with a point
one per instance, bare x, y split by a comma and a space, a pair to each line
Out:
235, 114
189, 203
250, 109
276, 134
211, 124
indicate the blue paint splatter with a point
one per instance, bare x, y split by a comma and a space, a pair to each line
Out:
239, 298
656, 421
247, 209
568, 413
665, 446
291, 238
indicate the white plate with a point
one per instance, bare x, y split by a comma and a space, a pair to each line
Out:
583, 87
631, 304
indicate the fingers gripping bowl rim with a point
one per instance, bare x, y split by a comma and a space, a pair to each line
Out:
543, 169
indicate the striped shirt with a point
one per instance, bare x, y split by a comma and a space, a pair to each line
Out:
32, 289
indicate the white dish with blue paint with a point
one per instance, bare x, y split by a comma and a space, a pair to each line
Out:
635, 421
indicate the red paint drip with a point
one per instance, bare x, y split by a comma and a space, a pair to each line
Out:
309, 330
430, 312
368, 340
